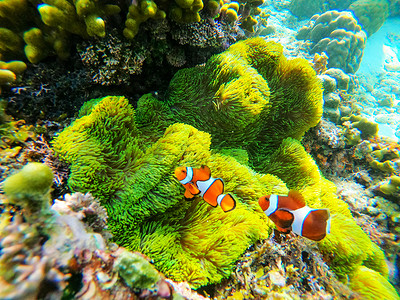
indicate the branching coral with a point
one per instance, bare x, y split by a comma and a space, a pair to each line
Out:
111, 61
43, 28
82, 17
10, 70
188, 11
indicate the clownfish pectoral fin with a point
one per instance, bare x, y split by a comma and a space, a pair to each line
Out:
297, 197
228, 203
192, 188
188, 195
283, 230
284, 218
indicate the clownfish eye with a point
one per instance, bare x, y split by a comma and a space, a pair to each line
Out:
267, 198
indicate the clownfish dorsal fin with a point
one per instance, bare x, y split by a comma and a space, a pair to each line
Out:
206, 169
203, 173
285, 217
297, 197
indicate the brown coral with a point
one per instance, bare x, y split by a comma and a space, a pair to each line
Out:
339, 35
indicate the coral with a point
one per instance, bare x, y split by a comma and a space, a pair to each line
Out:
229, 12
251, 91
27, 187
14, 14
320, 62
331, 107
176, 57
42, 28
205, 34
339, 35
23, 270
386, 166
10, 70
303, 9
371, 14
111, 61
43, 89
34, 178
82, 17
14, 134
265, 272
136, 270
83, 207
392, 186
142, 10
368, 129
188, 12
21, 144
249, 13
56, 255
341, 78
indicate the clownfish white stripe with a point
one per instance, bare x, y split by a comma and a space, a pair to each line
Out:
328, 226
273, 205
189, 176
203, 186
219, 198
299, 216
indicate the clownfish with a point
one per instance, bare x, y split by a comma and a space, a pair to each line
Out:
291, 213
199, 181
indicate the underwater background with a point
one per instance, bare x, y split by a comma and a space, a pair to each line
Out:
102, 101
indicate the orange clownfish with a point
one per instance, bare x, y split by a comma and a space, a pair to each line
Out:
291, 213
200, 181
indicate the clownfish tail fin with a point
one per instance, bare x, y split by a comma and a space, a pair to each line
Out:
227, 202
322, 214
